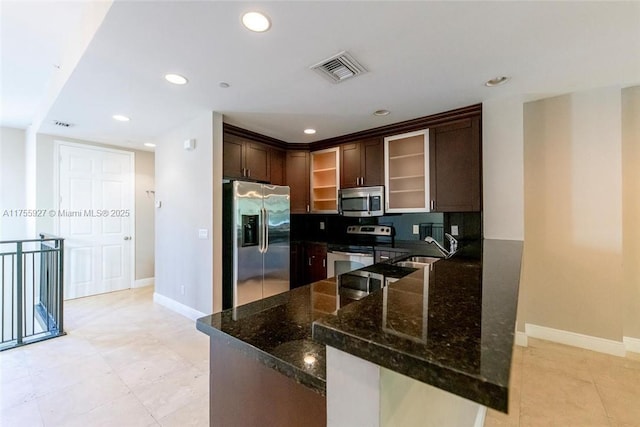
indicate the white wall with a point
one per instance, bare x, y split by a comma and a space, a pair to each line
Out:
502, 169
12, 183
184, 185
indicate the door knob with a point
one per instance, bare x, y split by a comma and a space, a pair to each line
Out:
127, 237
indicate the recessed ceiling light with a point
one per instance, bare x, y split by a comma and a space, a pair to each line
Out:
224, 85
381, 113
497, 81
256, 21
176, 79
149, 144
121, 118
309, 131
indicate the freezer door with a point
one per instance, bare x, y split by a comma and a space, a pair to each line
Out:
276, 256
248, 265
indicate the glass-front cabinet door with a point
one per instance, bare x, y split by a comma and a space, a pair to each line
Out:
407, 172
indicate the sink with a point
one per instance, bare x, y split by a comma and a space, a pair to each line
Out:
416, 261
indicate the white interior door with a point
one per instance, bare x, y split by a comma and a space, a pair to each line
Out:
96, 218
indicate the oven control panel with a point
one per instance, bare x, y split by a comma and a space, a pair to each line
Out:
371, 230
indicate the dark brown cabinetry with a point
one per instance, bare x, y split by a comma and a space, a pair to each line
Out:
316, 257
362, 163
277, 160
297, 178
454, 167
245, 159
296, 263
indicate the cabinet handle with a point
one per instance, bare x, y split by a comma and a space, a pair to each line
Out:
384, 257
433, 205
308, 208
324, 262
309, 261
357, 181
248, 173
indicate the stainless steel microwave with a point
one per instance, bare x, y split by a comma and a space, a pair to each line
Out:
361, 201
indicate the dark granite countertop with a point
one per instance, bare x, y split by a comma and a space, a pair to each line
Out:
451, 325
455, 330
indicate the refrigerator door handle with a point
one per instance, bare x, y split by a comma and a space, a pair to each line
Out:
266, 230
261, 232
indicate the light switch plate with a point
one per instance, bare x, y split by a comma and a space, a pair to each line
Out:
203, 234
416, 229
454, 230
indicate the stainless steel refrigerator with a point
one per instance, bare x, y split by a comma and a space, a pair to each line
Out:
256, 221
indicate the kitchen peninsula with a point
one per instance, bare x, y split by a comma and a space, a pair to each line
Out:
293, 359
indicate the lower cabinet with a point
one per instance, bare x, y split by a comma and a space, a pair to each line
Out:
316, 262
297, 265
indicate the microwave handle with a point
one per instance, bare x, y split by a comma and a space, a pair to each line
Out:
339, 203
369, 204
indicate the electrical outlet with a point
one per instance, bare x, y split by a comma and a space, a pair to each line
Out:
321, 225
454, 230
182, 290
416, 229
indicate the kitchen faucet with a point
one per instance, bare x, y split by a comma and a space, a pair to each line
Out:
453, 245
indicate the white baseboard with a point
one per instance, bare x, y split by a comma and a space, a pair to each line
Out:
601, 345
141, 283
631, 344
179, 308
522, 339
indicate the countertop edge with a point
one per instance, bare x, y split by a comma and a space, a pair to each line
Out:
492, 395
270, 361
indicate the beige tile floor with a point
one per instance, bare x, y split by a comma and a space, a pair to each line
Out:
561, 386
129, 362
125, 362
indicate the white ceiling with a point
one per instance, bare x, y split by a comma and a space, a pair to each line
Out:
422, 57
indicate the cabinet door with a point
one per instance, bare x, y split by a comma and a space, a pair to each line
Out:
316, 262
256, 161
296, 262
297, 178
350, 160
372, 162
232, 161
455, 167
406, 172
276, 167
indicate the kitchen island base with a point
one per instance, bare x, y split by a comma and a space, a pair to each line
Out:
363, 393
245, 392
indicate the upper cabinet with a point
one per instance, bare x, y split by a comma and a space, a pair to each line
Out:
297, 178
455, 173
277, 160
243, 158
406, 172
325, 180
362, 163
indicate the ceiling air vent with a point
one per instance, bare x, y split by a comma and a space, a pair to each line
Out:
62, 124
339, 67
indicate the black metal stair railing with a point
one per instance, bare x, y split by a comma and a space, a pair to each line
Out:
32, 294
